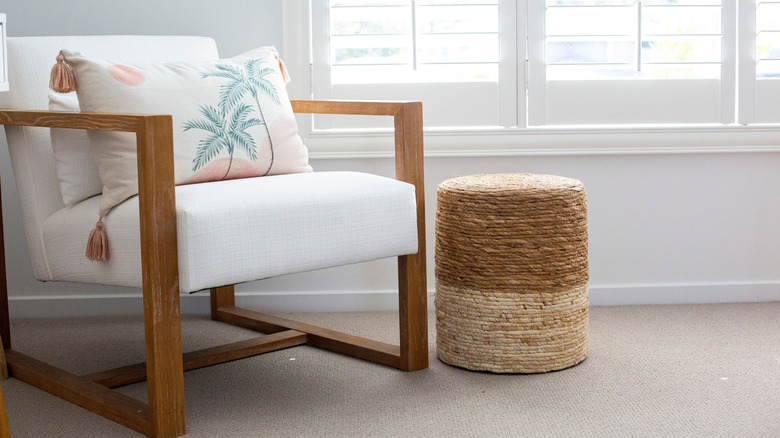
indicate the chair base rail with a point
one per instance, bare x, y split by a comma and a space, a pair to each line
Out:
94, 391
80, 391
202, 358
344, 343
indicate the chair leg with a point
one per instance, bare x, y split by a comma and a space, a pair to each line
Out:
413, 312
164, 366
4, 432
160, 270
222, 297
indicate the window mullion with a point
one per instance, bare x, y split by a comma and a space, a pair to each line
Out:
639, 36
747, 62
320, 53
728, 75
511, 88
414, 34
537, 64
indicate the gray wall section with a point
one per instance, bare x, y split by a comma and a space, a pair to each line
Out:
236, 25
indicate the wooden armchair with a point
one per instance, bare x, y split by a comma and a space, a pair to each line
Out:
163, 416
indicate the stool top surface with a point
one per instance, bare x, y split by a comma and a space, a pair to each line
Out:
511, 182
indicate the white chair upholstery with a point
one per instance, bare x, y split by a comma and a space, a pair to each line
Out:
29, 63
288, 223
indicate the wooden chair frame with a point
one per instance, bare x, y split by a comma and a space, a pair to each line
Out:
163, 416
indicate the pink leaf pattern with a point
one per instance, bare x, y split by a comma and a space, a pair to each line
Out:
126, 75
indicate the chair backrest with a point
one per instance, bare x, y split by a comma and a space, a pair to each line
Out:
29, 64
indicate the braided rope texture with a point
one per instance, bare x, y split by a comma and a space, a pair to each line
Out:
512, 273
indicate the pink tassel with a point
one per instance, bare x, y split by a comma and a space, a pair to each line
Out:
62, 79
97, 245
283, 70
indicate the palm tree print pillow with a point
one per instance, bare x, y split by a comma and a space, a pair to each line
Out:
232, 118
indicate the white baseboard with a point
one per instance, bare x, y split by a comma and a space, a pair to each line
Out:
684, 293
55, 306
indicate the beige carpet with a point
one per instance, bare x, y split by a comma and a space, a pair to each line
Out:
653, 371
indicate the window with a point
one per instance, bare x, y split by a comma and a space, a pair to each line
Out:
768, 39
655, 39
759, 62
387, 41
496, 64
444, 52
630, 61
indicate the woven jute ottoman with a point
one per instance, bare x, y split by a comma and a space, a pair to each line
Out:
512, 273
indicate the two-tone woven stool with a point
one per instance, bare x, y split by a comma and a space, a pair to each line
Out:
512, 273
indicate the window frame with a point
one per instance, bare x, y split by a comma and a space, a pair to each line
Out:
755, 100
520, 140
503, 95
547, 105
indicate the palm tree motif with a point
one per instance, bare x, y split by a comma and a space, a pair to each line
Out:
227, 130
251, 78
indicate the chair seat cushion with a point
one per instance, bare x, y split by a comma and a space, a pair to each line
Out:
246, 229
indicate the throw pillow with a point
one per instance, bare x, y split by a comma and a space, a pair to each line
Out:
76, 170
232, 118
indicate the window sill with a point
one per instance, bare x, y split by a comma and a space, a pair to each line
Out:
558, 140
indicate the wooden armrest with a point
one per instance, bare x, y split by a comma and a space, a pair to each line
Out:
76, 120
408, 130
355, 107
407, 117
154, 134
156, 191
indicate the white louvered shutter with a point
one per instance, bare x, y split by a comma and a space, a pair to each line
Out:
446, 53
759, 65
631, 61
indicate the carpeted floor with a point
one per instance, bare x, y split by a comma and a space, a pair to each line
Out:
652, 371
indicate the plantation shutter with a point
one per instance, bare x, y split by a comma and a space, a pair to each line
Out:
447, 53
759, 65
631, 61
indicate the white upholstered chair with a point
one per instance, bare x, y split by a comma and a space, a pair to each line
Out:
165, 240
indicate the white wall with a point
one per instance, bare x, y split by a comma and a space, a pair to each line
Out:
236, 25
664, 228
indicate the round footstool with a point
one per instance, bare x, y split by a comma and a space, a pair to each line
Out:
512, 273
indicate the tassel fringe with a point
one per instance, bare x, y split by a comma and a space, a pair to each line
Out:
97, 245
62, 79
